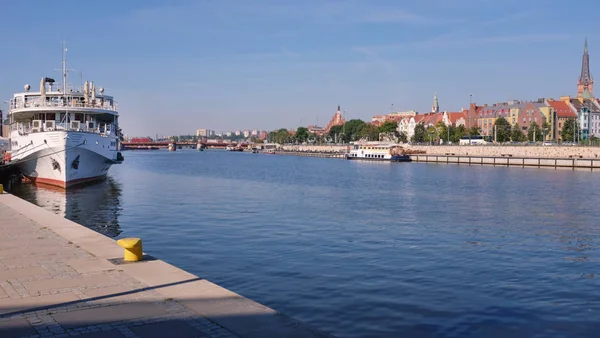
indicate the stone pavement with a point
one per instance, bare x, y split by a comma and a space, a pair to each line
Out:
60, 279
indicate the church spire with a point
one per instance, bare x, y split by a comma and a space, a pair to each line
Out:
436, 107
586, 82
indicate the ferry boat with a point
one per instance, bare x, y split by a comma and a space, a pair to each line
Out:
376, 151
63, 136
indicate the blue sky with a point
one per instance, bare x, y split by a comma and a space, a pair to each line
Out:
175, 66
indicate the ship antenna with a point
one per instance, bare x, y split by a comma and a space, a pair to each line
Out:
64, 67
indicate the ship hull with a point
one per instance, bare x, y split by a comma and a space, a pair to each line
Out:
65, 159
395, 158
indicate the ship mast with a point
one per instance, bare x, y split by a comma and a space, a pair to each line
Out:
64, 68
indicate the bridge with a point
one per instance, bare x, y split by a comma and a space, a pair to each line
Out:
190, 144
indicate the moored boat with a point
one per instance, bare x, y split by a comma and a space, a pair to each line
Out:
377, 151
63, 136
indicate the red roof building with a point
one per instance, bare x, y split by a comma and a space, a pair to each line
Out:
336, 120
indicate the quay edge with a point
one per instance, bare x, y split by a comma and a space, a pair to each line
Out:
222, 309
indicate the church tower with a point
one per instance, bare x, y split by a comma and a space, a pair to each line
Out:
585, 85
436, 107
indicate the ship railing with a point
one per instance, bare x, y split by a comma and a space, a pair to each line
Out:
27, 128
39, 103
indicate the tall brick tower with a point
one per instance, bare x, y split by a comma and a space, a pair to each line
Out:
586, 82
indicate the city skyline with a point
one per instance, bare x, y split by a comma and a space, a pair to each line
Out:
179, 66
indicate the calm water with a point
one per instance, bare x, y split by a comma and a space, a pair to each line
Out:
365, 249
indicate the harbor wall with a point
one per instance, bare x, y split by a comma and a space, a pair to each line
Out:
475, 150
513, 151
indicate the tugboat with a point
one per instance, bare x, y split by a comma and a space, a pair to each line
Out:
64, 136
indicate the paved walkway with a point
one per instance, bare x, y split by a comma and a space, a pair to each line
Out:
60, 279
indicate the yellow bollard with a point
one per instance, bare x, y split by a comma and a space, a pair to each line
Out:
1, 189
133, 249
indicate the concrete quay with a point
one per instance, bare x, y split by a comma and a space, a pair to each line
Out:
61, 279
312, 154
507, 160
554, 152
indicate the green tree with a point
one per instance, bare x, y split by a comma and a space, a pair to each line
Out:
335, 130
280, 136
516, 134
389, 127
474, 131
534, 131
402, 137
389, 130
431, 134
419, 136
546, 129
459, 132
568, 131
502, 130
369, 131
301, 134
353, 129
442, 131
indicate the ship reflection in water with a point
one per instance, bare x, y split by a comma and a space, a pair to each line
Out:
96, 206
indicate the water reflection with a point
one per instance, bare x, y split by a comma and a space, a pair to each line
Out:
96, 205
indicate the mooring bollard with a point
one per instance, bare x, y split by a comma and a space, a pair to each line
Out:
133, 249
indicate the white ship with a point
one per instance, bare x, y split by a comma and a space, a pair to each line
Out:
377, 151
63, 136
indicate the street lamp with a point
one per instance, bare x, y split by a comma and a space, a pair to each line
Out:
470, 125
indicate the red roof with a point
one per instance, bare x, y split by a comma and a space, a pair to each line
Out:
455, 116
432, 118
419, 118
562, 109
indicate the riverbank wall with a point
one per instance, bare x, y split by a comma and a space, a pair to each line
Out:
59, 278
554, 152
573, 157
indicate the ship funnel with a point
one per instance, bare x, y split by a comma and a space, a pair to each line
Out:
43, 89
86, 92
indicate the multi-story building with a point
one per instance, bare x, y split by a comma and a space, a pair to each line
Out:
529, 114
238, 133
203, 132
487, 116
228, 134
246, 133
316, 130
254, 132
563, 111
595, 120
583, 115
549, 113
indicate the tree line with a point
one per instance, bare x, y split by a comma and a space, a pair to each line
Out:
356, 129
